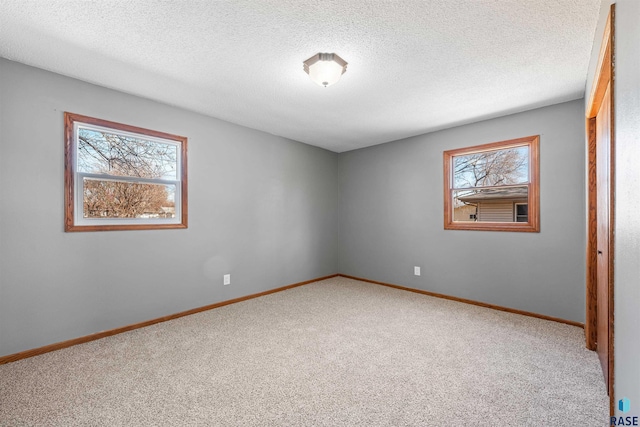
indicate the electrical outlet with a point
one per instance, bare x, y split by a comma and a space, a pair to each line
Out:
226, 279
416, 271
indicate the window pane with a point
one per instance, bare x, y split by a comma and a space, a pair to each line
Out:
491, 168
490, 205
120, 155
119, 199
522, 212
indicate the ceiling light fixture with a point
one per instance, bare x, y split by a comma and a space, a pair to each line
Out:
325, 68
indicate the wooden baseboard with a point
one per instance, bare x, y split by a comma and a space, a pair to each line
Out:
64, 344
468, 301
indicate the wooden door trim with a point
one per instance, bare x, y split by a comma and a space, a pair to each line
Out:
591, 323
604, 76
604, 71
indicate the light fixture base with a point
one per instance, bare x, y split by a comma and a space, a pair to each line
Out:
325, 69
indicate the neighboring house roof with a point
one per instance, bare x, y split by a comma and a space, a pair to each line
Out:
512, 193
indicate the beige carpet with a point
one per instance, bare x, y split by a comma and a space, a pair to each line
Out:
333, 353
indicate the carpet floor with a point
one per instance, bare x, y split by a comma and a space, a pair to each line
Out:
339, 352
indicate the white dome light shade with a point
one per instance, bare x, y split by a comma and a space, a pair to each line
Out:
325, 68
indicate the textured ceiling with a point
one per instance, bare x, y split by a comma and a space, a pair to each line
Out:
414, 66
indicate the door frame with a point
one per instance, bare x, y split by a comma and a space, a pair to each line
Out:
604, 76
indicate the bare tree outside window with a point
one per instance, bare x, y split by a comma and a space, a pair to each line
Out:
491, 168
482, 181
114, 154
117, 155
113, 199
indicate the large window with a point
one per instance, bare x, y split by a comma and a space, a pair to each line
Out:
493, 186
120, 177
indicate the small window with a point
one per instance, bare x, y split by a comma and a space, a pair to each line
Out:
521, 212
120, 177
493, 186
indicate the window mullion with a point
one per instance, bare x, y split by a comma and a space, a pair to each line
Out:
107, 177
490, 187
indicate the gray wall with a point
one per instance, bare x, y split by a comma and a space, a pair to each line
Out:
627, 206
391, 218
273, 212
261, 207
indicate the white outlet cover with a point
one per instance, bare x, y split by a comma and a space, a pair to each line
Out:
416, 271
227, 279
